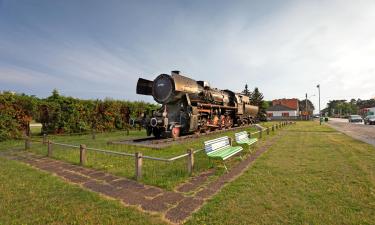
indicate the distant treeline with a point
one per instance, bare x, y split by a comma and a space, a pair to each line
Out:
61, 114
344, 107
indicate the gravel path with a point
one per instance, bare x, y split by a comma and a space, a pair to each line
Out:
365, 133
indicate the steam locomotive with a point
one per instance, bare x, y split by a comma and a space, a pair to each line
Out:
189, 106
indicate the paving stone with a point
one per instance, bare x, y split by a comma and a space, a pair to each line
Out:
108, 178
176, 215
78, 169
97, 175
87, 172
156, 206
205, 193
170, 197
131, 198
102, 188
52, 169
151, 192
127, 184
187, 187
75, 178
190, 204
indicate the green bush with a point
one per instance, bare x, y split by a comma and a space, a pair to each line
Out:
60, 114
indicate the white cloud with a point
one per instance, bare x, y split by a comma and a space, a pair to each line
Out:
285, 51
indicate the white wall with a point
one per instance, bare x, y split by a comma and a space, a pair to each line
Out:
280, 113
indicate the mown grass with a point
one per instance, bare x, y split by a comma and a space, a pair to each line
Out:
312, 175
28, 196
162, 174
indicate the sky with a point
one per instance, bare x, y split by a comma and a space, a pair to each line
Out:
97, 49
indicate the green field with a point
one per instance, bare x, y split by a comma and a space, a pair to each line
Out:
311, 175
162, 174
28, 196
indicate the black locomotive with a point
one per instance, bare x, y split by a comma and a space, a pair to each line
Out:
192, 106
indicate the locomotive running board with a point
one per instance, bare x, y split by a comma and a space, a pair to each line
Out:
144, 87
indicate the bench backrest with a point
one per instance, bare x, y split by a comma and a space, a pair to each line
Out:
241, 136
215, 144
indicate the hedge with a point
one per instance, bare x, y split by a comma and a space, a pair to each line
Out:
60, 114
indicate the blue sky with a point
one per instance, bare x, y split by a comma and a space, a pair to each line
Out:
98, 49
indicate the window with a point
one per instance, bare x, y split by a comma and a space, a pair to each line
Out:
285, 114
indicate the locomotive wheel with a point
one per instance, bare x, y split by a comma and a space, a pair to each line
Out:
175, 132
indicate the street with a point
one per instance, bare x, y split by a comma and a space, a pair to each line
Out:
358, 131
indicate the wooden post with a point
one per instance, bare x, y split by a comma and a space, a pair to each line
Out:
138, 165
82, 155
190, 161
49, 146
273, 128
230, 141
93, 135
27, 143
44, 139
268, 131
260, 133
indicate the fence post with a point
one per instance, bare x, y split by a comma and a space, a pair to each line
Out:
49, 146
260, 133
268, 131
93, 135
273, 128
138, 165
190, 161
82, 155
44, 139
27, 143
230, 141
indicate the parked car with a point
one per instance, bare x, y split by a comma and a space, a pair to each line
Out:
370, 119
355, 119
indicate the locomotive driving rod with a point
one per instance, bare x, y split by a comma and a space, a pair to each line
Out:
215, 106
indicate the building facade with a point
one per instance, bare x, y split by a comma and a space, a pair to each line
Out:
284, 109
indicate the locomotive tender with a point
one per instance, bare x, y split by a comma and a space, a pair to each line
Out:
190, 106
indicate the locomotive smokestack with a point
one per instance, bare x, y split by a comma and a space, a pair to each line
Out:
176, 71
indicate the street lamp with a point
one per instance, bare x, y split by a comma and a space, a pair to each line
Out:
306, 107
320, 114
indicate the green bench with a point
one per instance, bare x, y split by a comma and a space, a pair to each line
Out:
221, 148
243, 138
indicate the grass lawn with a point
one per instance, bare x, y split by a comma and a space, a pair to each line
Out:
312, 175
28, 196
162, 174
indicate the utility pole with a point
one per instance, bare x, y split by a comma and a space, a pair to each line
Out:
320, 114
306, 108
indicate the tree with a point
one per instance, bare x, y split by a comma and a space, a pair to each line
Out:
302, 106
246, 91
256, 98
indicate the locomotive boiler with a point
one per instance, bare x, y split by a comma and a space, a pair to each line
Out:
189, 106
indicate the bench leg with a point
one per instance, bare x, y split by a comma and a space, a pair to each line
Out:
210, 162
225, 167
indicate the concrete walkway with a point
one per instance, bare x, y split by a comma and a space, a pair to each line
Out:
174, 206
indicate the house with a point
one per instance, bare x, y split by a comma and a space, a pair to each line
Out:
283, 109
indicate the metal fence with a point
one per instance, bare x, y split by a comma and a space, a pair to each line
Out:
138, 156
